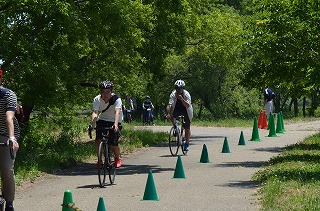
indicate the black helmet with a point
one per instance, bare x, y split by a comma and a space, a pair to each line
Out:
147, 97
106, 85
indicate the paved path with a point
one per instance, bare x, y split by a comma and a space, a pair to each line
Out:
223, 184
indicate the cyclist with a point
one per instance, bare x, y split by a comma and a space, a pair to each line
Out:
180, 104
9, 130
107, 112
147, 107
128, 108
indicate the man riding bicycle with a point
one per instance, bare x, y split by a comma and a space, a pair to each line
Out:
180, 104
9, 131
147, 107
107, 112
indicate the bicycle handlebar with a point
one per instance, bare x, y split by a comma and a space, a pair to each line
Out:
180, 117
90, 129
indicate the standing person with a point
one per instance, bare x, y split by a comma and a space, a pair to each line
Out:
128, 108
9, 131
107, 112
268, 100
147, 107
180, 104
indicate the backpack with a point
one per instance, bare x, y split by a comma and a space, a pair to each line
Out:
111, 102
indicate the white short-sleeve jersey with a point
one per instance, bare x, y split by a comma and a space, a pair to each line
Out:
99, 105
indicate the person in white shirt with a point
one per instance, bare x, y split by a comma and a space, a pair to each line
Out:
180, 104
107, 112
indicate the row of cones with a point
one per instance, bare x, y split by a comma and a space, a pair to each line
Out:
150, 189
273, 130
69, 205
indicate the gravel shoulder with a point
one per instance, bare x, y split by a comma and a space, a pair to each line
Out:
222, 184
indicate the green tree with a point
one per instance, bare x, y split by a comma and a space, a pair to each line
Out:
286, 47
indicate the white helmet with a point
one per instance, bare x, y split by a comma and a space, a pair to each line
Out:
179, 84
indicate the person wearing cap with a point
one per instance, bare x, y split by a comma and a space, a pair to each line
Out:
180, 104
9, 132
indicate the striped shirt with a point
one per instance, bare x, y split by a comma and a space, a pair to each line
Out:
8, 102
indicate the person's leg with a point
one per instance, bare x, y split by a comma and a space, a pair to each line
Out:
188, 134
268, 107
114, 142
7, 174
116, 151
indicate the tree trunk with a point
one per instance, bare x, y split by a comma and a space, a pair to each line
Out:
304, 107
200, 111
295, 106
27, 112
277, 103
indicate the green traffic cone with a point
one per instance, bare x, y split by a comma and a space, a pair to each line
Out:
101, 206
67, 198
279, 124
179, 171
272, 129
150, 192
241, 139
282, 123
225, 148
204, 155
255, 132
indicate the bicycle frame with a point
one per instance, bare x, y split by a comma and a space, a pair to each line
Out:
176, 138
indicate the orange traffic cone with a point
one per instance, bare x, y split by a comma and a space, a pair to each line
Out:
264, 121
260, 119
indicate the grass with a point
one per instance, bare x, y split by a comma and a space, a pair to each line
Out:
291, 180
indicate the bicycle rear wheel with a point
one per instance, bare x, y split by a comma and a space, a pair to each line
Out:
174, 141
111, 166
102, 163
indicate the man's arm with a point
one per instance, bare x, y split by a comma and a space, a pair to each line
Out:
116, 118
10, 126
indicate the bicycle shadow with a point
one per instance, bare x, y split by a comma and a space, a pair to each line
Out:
87, 169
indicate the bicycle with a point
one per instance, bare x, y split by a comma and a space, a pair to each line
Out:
128, 117
177, 137
148, 116
12, 155
105, 155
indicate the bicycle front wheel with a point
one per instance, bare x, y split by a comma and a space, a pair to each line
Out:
174, 141
111, 166
102, 164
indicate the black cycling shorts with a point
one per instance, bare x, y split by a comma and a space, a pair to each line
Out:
113, 136
177, 113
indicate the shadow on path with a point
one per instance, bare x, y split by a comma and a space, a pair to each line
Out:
247, 164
